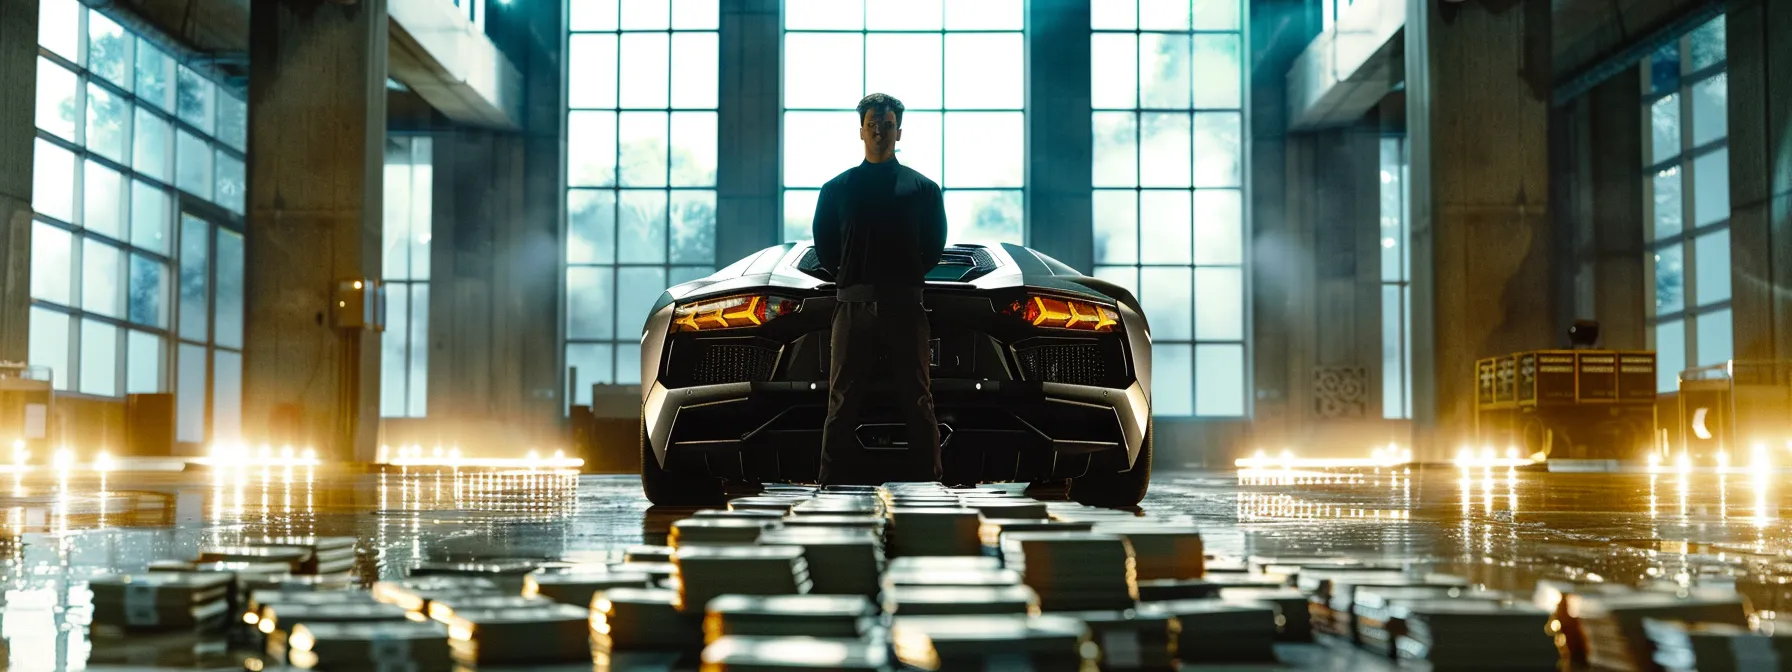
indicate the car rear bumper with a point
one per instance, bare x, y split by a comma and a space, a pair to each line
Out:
997, 430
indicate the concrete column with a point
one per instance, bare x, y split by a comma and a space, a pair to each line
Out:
493, 379
18, 133
1060, 138
1615, 155
749, 181
317, 120
1478, 86
1280, 30
1761, 177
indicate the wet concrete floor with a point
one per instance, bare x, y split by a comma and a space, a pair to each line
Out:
1499, 527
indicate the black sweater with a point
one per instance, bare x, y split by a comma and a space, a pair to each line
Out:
880, 225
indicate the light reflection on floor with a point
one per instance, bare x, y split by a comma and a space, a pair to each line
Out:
1498, 526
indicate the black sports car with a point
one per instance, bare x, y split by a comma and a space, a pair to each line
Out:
1040, 374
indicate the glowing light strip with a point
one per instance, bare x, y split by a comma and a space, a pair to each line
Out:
1391, 456
488, 462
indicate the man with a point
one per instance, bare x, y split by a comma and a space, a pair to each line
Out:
879, 228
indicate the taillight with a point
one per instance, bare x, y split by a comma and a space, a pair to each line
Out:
1057, 313
731, 312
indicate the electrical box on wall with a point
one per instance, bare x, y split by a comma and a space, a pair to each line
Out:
359, 304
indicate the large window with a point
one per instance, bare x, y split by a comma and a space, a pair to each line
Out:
1169, 200
641, 172
958, 66
1687, 179
1396, 282
128, 144
404, 356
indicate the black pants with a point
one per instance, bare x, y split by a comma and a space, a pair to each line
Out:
872, 342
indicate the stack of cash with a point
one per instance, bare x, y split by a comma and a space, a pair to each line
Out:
295, 559
839, 505
1164, 590
1074, 571
1049, 643
960, 600
951, 578
828, 616
554, 633
1294, 621
138, 650
241, 574
630, 619
578, 587
442, 610
1133, 639
415, 594
779, 505
874, 490
1379, 612
1007, 508
705, 572
993, 528
1333, 592
1247, 580
1162, 551
742, 653
402, 645
949, 563
324, 555
748, 514
160, 601
1613, 623
841, 561
1218, 631
284, 615
869, 523
935, 531
1469, 634
507, 574
260, 602
1717, 647
295, 582
719, 530
646, 553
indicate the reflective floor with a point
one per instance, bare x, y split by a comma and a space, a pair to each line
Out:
1500, 527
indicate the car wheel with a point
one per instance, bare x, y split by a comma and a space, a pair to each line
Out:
1117, 490
665, 488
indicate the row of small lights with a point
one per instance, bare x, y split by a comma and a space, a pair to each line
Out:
241, 456
413, 456
1760, 464
1389, 456
63, 459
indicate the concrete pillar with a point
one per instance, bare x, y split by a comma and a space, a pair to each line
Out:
18, 133
1478, 86
1760, 97
492, 272
317, 120
749, 181
1620, 291
1060, 137
1281, 29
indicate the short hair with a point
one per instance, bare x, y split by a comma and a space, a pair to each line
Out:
880, 102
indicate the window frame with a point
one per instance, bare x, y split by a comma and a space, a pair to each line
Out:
179, 201
616, 345
943, 111
1244, 266
1684, 160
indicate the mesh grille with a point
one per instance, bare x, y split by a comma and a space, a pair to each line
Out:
734, 364
1080, 364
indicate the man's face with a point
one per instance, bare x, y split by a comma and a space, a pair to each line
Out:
880, 133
